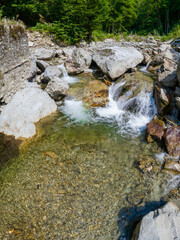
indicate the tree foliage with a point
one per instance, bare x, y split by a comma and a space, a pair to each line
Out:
73, 20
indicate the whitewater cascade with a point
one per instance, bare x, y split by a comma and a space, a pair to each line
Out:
66, 77
145, 69
131, 115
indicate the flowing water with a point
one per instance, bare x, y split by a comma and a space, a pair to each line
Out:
77, 178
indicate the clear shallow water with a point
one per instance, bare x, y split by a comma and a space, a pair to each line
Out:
75, 179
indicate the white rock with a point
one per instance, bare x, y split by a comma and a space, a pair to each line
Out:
161, 224
51, 72
44, 54
81, 58
57, 87
115, 61
27, 107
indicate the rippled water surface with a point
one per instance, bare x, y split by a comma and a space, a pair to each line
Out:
74, 179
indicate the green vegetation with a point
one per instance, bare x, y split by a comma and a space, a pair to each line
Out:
74, 20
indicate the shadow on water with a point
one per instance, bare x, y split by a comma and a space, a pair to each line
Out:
128, 218
9, 148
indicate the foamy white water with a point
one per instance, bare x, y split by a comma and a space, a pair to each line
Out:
145, 69
66, 77
160, 157
75, 110
133, 122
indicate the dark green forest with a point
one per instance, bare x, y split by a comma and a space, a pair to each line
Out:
74, 20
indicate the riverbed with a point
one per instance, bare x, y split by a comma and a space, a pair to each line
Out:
77, 178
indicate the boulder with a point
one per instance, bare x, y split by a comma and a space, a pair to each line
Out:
80, 61
16, 64
176, 45
128, 89
167, 74
178, 73
173, 166
67, 51
115, 61
96, 95
157, 60
161, 224
27, 107
163, 100
172, 140
57, 88
44, 54
50, 73
177, 92
178, 102
155, 129
42, 65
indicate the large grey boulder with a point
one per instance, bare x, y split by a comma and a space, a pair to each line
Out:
57, 88
80, 61
168, 74
27, 107
44, 54
115, 61
161, 224
50, 73
16, 64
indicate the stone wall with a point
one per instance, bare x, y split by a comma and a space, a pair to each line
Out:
15, 59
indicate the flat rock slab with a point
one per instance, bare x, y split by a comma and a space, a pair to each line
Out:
27, 107
115, 61
44, 54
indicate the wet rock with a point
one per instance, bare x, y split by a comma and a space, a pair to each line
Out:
147, 164
130, 85
27, 107
96, 95
173, 166
168, 74
44, 54
114, 61
172, 140
42, 65
177, 92
178, 102
178, 73
80, 61
155, 130
160, 224
163, 100
57, 88
158, 60
147, 58
50, 73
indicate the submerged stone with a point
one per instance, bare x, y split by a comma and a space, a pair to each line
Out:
96, 95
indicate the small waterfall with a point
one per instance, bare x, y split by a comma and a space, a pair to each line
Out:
131, 115
66, 77
145, 69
